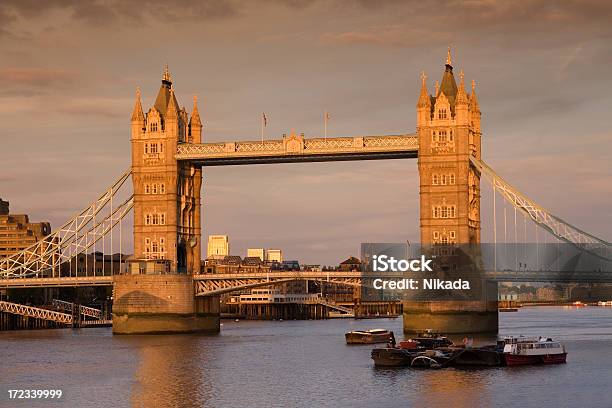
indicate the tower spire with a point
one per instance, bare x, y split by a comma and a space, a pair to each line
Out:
166, 78
473, 99
171, 111
137, 114
424, 96
461, 95
449, 60
195, 115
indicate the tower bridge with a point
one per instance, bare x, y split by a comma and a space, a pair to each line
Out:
163, 290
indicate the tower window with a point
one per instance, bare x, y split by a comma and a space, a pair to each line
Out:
452, 234
154, 127
154, 188
443, 180
162, 219
435, 180
146, 148
147, 189
450, 136
442, 113
162, 188
148, 219
153, 148
434, 137
451, 178
436, 235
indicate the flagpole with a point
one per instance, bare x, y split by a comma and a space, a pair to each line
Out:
325, 121
262, 129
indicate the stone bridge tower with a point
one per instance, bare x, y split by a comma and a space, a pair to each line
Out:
166, 192
448, 126
157, 294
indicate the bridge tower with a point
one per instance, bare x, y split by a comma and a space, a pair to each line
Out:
448, 127
159, 285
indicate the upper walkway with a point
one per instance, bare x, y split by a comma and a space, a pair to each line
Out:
296, 148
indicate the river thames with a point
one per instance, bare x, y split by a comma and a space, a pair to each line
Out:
300, 364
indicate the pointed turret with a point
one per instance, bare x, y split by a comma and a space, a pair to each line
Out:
461, 107
195, 124
424, 99
137, 113
163, 96
473, 99
171, 110
424, 103
448, 86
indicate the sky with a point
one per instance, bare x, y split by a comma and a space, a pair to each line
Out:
542, 69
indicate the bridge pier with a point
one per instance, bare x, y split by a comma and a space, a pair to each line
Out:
160, 304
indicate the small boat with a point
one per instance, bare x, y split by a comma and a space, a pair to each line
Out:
487, 356
430, 340
393, 357
528, 351
579, 304
370, 336
432, 359
606, 303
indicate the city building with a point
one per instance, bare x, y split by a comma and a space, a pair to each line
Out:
257, 252
275, 255
351, 264
235, 264
218, 246
17, 232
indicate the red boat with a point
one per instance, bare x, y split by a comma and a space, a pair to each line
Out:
528, 351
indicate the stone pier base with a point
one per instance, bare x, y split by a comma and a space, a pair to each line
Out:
451, 317
153, 304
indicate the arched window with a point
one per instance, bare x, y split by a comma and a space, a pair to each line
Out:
146, 148
147, 245
147, 189
444, 212
154, 148
452, 211
452, 234
436, 235
155, 219
434, 137
435, 180
451, 178
442, 113
148, 219
162, 245
443, 179
154, 127
450, 136
161, 147
162, 188
436, 211
154, 247
162, 218
154, 186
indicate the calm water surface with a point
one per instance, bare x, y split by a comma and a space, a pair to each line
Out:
300, 363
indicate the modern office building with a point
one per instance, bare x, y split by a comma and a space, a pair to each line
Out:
275, 255
17, 232
257, 252
218, 246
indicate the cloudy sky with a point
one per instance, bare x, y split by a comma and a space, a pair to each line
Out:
70, 68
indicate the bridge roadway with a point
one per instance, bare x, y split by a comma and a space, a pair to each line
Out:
209, 284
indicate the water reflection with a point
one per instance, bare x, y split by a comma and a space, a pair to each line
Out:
169, 371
